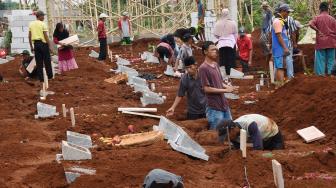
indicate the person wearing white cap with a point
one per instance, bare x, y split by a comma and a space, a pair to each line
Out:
125, 28
226, 33
102, 37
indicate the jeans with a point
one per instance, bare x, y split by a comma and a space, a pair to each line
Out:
102, 49
42, 58
289, 64
324, 57
215, 117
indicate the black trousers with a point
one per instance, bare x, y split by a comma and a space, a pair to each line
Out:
195, 116
244, 65
227, 58
102, 49
42, 58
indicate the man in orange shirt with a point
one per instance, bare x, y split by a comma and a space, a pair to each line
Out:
244, 45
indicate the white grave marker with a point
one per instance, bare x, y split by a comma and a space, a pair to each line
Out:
310, 134
64, 110
277, 174
243, 142
72, 115
45, 78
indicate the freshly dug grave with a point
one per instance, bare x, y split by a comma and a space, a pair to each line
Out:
28, 146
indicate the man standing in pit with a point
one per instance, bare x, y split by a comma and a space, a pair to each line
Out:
39, 44
266, 30
217, 108
201, 14
190, 84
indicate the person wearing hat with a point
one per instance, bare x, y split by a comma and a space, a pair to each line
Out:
125, 28
244, 45
40, 45
325, 47
280, 42
102, 37
226, 33
190, 84
266, 26
26, 60
185, 51
262, 131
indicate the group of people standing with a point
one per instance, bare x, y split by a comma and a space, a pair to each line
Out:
41, 47
280, 34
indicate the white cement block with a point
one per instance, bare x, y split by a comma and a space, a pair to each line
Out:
139, 81
121, 61
151, 98
140, 88
20, 45
79, 139
94, 54
236, 74
46, 110
71, 176
277, 174
75, 152
17, 39
231, 96
310, 134
169, 71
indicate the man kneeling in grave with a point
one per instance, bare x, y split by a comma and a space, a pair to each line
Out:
27, 70
262, 132
190, 84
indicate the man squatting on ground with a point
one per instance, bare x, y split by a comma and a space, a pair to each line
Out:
217, 108
165, 50
39, 43
25, 63
190, 84
262, 131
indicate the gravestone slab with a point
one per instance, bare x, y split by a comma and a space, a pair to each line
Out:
75, 152
79, 139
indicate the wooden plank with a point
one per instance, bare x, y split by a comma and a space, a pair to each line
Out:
141, 114
243, 142
277, 174
135, 109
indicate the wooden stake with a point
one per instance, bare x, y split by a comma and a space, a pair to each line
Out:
72, 115
277, 174
45, 78
64, 110
243, 142
271, 71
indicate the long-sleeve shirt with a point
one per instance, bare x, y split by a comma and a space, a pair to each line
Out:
101, 30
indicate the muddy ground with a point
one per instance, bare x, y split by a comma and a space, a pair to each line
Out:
28, 146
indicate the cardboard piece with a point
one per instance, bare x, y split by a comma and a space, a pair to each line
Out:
243, 142
310, 134
277, 174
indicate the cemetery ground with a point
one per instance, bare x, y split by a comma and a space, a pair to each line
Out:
28, 146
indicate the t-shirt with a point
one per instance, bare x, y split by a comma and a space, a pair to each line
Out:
36, 29
244, 46
327, 25
211, 77
162, 177
101, 30
195, 94
266, 126
125, 28
185, 51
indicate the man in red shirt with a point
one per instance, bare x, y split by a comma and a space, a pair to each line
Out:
244, 45
102, 37
325, 27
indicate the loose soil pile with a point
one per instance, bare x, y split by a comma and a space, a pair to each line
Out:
28, 146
